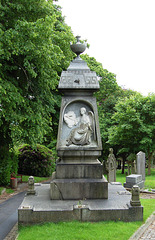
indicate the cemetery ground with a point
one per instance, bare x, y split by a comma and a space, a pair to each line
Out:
88, 230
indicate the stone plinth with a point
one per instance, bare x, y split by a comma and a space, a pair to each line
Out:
40, 209
134, 179
68, 189
79, 170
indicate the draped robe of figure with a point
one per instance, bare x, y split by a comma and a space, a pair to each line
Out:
81, 135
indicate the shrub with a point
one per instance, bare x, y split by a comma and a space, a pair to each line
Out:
8, 164
37, 162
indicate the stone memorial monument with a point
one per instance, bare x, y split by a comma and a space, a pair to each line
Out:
79, 173
78, 190
111, 166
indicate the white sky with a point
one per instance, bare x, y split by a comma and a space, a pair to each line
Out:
121, 34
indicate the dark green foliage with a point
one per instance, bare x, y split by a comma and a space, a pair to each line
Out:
8, 165
36, 162
134, 127
34, 49
107, 97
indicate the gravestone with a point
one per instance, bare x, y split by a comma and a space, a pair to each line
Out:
134, 179
79, 173
111, 166
141, 164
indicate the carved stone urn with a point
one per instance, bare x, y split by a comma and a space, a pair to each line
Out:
78, 171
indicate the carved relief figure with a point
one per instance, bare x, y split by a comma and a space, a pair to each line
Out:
81, 135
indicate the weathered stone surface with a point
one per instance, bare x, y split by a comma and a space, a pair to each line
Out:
39, 209
130, 185
141, 164
31, 190
111, 166
78, 170
68, 189
74, 104
133, 179
78, 76
135, 201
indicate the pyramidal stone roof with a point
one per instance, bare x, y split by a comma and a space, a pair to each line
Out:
78, 75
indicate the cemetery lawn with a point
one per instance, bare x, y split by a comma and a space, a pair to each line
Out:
86, 230
36, 179
149, 180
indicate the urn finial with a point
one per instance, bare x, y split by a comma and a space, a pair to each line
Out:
78, 47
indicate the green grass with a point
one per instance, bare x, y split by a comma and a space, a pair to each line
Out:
8, 190
36, 179
1, 189
86, 230
149, 180
24, 179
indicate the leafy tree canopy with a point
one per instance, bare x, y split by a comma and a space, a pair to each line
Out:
34, 49
108, 95
134, 128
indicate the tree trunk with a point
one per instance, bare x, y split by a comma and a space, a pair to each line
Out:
123, 166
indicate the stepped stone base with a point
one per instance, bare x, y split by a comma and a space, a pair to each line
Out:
40, 209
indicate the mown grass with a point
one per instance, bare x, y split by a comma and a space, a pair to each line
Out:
36, 179
1, 189
86, 230
149, 179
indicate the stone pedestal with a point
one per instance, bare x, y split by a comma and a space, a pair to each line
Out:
68, 189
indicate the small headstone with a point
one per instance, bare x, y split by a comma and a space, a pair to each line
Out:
133, 179
111, 166
141, 164
135, 201
31, 190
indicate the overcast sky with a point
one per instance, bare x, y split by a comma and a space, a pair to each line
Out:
121, 34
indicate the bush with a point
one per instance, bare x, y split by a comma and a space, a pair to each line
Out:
36, 162
8, 164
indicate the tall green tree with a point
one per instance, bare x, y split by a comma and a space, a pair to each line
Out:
107, 97
134, 128
34, 49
